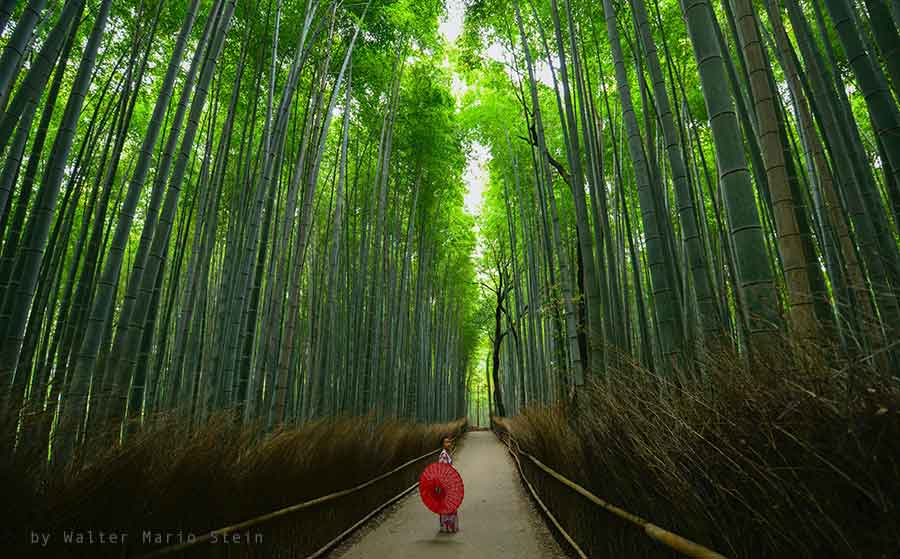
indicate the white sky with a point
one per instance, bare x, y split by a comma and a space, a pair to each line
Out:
476, 174
451, 24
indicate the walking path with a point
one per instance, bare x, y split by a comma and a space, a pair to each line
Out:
496, 519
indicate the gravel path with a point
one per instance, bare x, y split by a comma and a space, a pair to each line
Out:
496, 519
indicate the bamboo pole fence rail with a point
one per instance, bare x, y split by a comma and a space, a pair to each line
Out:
224, 531
671, 540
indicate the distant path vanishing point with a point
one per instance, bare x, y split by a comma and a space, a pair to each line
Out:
496, 519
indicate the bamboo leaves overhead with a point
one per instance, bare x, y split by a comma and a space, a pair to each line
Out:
257, 207
208, 210
724, 169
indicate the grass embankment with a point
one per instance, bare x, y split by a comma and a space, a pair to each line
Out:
779, 461
170, 484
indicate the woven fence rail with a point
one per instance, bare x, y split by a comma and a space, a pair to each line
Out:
293, 531
554, 502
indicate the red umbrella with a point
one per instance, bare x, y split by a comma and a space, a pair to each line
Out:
441, 488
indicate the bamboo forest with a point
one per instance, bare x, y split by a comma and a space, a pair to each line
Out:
632, 267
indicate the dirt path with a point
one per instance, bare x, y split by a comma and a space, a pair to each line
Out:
496, 519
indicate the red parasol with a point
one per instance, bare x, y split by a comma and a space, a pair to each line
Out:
441, 488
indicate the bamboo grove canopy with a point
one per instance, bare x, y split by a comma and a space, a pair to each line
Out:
258, 205
674, 179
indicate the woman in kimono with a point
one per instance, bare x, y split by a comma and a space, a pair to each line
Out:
449, 522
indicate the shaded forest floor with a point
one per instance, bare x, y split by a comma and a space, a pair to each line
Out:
783, 460
169, 484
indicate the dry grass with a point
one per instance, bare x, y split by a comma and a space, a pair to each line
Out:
778, 461
176, 482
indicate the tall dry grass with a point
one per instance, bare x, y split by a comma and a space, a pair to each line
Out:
171, 482
778, 460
